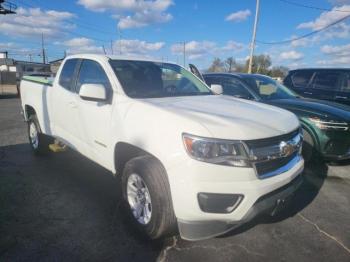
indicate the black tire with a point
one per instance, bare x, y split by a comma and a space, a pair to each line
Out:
41, 145
308, 146
162, 221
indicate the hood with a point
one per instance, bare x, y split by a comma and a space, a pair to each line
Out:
229, 118
313, 107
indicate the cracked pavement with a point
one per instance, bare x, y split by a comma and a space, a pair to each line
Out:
64, 207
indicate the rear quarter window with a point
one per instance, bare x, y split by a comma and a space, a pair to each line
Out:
328, 80
67, 74
301, 78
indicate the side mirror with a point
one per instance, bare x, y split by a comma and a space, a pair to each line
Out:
93, 92
217, 89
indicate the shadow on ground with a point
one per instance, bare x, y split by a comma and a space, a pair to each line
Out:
63, 208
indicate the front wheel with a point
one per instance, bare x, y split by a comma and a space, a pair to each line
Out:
37, 140
146, 192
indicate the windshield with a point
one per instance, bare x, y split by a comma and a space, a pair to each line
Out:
144, 79
267, 88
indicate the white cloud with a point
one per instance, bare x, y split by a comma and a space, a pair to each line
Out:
137, 47
33, 22
194, 49
326, 18
291, 55
340, 50
238, 16
233, 46
128, 47
339, 61
198, 49
81, 45
132, 13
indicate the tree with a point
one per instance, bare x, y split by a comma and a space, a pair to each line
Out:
230, 64
261, 64
216, 66
279, 71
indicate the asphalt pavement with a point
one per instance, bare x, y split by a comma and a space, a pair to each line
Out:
65, 208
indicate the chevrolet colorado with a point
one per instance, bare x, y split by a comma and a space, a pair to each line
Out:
190, 160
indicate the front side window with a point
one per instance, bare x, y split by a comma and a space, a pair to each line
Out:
144, 79
267, 88
92, 72
302, 78
233, 87
326, 80
67, 74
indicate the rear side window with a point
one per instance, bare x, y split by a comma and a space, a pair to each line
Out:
67, 74
92, 72
326, 80
301, 78
345, 84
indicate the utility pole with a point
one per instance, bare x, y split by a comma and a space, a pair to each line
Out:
43, 48
112, 47
184, 51
120, 40
252, 44
104, 50
30, 58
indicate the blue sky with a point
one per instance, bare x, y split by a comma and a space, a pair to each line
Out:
157, 28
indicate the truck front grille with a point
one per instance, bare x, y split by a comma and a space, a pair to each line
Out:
275, 155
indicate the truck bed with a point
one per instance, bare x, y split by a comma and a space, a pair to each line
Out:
39, 80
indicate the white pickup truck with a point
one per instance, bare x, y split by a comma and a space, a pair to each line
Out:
190, 160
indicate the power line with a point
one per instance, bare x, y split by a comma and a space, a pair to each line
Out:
313, 7
306, 35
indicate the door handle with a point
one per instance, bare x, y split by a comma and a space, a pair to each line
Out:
341, 97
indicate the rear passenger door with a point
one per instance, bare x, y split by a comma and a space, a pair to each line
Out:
325, 84
64, 105
300, 82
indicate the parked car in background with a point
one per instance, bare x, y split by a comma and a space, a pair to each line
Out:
188, 159
326, 84
326, 125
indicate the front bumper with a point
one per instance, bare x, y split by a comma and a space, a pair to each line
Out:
190, 177
267, 204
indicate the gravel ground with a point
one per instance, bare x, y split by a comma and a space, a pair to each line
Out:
66, 208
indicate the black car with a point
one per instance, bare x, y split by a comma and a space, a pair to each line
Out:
326, 84
326, 125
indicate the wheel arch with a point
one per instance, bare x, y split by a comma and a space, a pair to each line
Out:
124, 151
29, 111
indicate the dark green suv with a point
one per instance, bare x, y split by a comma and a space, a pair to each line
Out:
326, 125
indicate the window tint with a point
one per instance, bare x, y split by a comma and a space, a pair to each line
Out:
67, 73
92, 72
345, 85
326, 80
211, 80
301, 78
143, 79
233, 87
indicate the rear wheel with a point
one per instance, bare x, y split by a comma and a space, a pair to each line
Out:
146, 192
37, 140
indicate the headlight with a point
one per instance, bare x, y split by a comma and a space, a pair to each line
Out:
216, 151
329, 124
